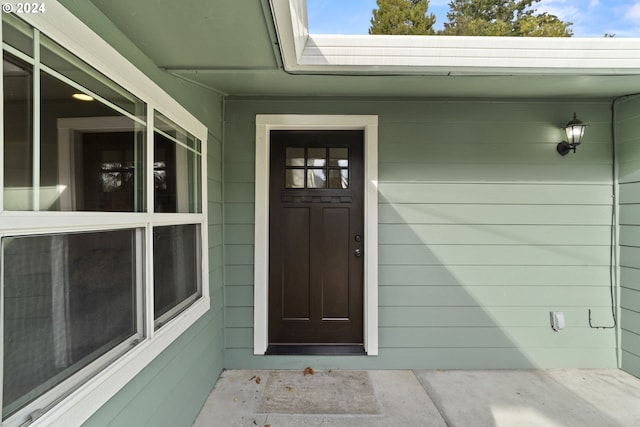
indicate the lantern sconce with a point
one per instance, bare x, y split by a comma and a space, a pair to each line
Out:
575, 131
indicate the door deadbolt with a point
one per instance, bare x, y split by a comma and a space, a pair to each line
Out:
357, 238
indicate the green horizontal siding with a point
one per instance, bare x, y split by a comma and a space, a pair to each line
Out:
628, 144
483, 234
483, 230
486, 214
495, 193
496, 255
496, 296
488, 275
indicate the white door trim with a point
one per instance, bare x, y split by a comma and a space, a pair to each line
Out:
264, 125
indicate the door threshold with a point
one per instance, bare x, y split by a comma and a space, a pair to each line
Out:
322, 349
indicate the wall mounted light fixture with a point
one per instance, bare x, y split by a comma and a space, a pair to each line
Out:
575, 131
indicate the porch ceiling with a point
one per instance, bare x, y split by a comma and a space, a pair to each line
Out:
231, 47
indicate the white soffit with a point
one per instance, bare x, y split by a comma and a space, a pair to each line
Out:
445, 55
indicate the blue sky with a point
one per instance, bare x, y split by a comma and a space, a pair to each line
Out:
591, 18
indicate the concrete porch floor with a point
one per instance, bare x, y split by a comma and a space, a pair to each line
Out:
549, 398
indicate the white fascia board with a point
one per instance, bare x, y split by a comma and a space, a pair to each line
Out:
368, 54
290, 19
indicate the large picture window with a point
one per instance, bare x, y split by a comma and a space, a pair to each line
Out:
68, 300
102, 226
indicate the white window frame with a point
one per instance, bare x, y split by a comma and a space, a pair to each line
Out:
264, 125
65, 29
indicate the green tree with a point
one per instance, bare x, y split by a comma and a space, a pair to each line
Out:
404, 17
502, 18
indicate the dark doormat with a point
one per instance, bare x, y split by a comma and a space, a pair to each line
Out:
325, 392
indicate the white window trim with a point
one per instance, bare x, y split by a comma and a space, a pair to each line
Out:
264, 125
64, 28
445, 55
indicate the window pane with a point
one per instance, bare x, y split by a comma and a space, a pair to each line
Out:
59, 59
339, 178
316, 157
92, 157
316, 178
339, 157
294, 178
176, 263
17, 34
295, 156
68, 299
177, 169
18, 133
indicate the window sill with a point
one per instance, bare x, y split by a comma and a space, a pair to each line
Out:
84, 402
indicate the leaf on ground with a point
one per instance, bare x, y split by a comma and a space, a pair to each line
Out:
252, 378
258, 380
289, 388
309, 371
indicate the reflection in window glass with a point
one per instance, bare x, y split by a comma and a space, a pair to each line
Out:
294, 178
295, 156
316, 157
310, 168
60, 60
177, 168
78, 139
339, 157
68, 299
339, 178
316, 178
95, 167
176, 262
18, 133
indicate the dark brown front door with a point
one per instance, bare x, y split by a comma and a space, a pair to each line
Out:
316, 259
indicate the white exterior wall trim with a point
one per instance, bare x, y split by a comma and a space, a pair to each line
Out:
264, 125
445, 55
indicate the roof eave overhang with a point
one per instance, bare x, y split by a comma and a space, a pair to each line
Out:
304, 53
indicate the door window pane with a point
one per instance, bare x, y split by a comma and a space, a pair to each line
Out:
316, 157
176, 263
310, 169
177, 168
294, 178
295, 156
68, 299
18, 133
316, 178
339, 178
339, 157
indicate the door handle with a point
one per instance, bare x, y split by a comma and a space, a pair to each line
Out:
357, 253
